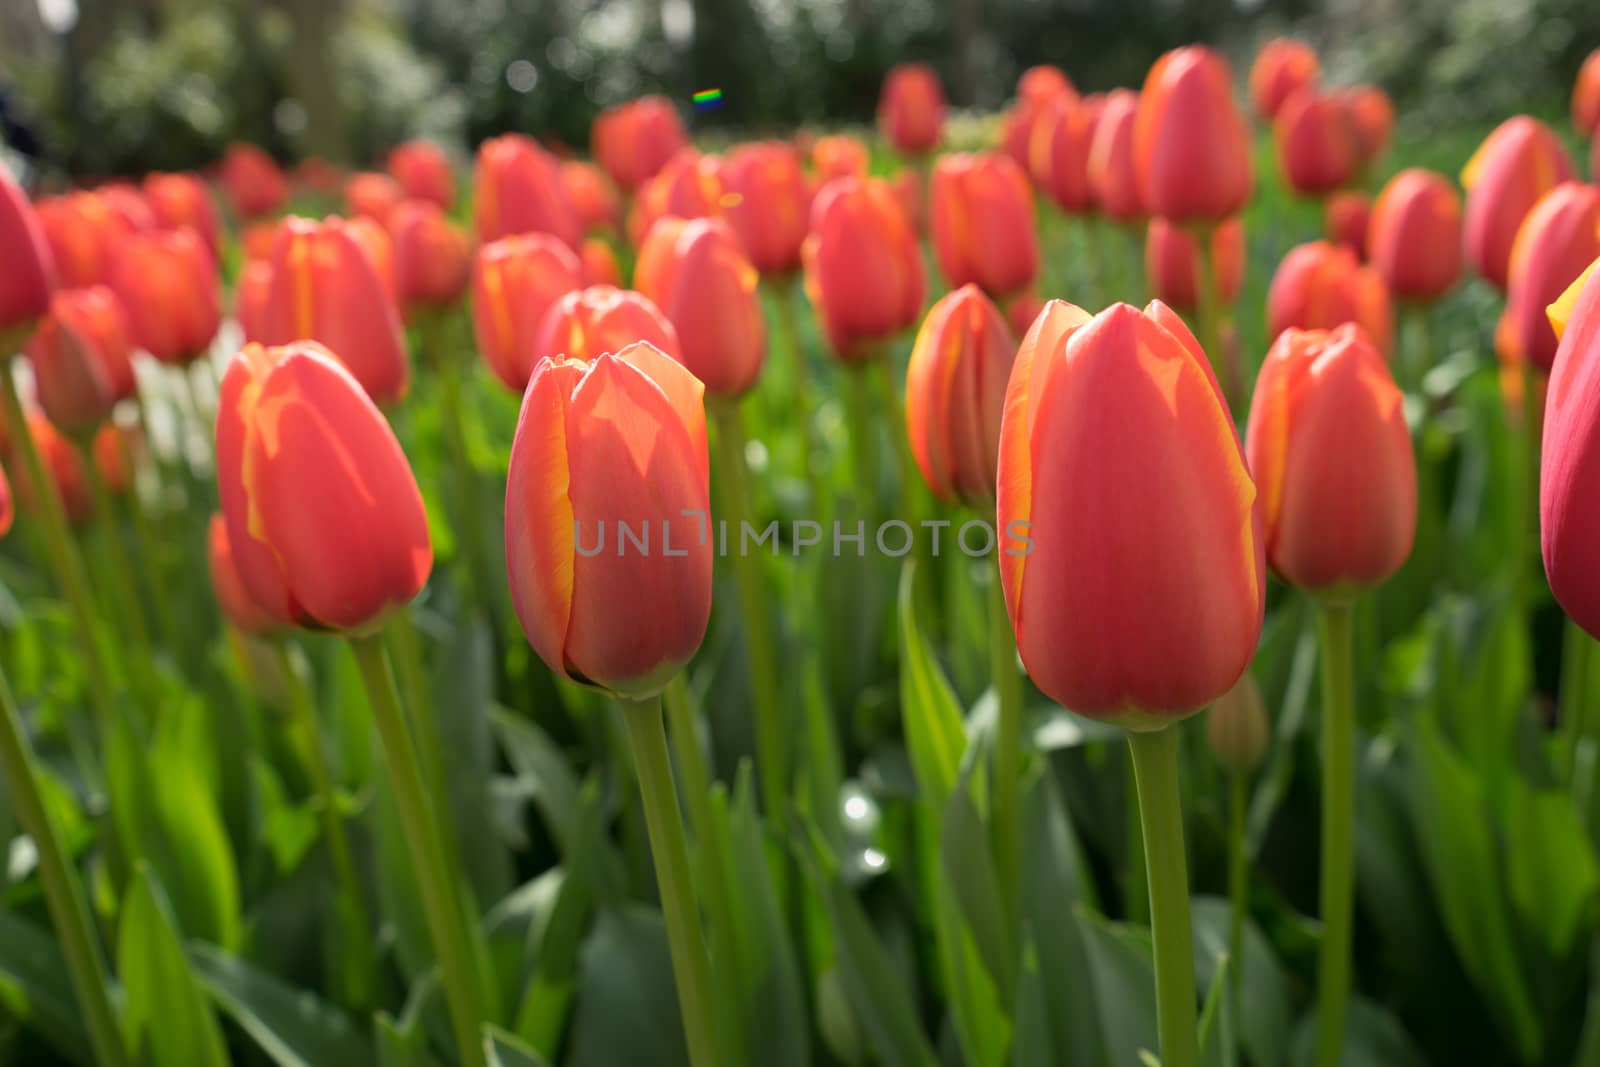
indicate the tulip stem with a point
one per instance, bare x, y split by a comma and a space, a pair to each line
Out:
1338, 840
480, 574
435, 876
1155, 766
63, 895
863, 444
691, 761
1238, 876
800, 395
1208, 310
144, 538
1008, 756
117, 565
1576, 654
691, 965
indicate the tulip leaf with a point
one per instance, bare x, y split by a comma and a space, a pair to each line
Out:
1263, 1018
401, 1045
935, 732
970, 876
541, 765
505, 1050
166, 1017
35, 987
627, 1010
975, 999
1372, 1038
1121, 963
292, 1026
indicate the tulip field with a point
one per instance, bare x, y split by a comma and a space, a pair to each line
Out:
1108, 583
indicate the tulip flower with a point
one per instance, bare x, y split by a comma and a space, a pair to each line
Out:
767, 202
1569, 487
515, 281
911, 109
63, 466
167, 283
1282, 68
1319, 286
633, 141
424, 172
1586, 96
697, 274
517, 189
1516, 165
179, 200
1112, 177
328, 286
432, 255
1318, 147
1021, 310
1238, 731
1415, 235
1557, 241
80, 356
982, 220
863, 269
30, 273
8, 508
237, 605
258, 240
1561, 311
319, 176
1058, 153
599, 263
906, 185
1043, 83
838, 156
1346, 218
85, 236
586, 323
591, 195
1191, 147
1594, 158
1371, 113
1037, 89
253, 182
372, 195
1169, 263
689, 187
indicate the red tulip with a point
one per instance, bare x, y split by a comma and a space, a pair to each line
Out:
112, 447
599, 263
1331, 454
1058, 153
1191, 147
30, 273
319, 176
1169, 263
517, 189
179, 200
372, 195
432, 255
250, 296
328, 286
1139, 596
81, 358
1562, 310
587, 323
1415, 235
324, 517
610, 448
127, 202
907, 189
1320, 286
591, 195
1346, 218
424, 172
1372, 114
1516, 165
1041, 84
253, 182
982, 220
697, 274
1586, 96
237, 605
688, 187
1113, 180
863, 269
1569, 487
838, 156
64, 464
1282, 68
1557, 241
1318, 148
1037, 89
767, 204
258, 240
911, 108
85, 236
8, 509
515, 281
633, 141
167, 283
1021, 310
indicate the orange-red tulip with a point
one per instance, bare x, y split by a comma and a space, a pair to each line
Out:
64, 464
1320, 286
1318, 149
906, 185
8, 508
82, 358
633, 141
319, 176
612, 448
1191, 147
838, 156
1043, 83
586, 323
253, 182
688, 187
250, 296
178, 200
258, 240
1569, 485
863, 269
372, 195
127, 202
1557, 242
1139, 595
324, 517
1346, 219
1169, 263
599, 263
515, 281
1516, 165
1058, 153
911, 108
167, 283
981, 210
85, 236
1021, 310
1371, 113
1414, 239
591, 195
237, 605
517, 189
328, 286
955, 393
767, 202
424, 172
696, 273
1566, 305
1113, 180
1037, 89
1282, 68
1586, 96
432, 255
30, 272
112, 447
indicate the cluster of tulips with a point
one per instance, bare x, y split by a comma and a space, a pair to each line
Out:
1138, 526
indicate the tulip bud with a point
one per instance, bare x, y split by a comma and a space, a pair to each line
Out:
432, 255
633, 141
1169, 263
1569, 487
688, 187
838, 156
1021, 310
112, 449
1317, 146
1058, 153
258, 240
767, 203
1415, 235
1371, 113
30, 272
696, 273
515, 281
587, 323
612, 448
955, 393
254, 184
1237, 728
1586, 96
1138, 597
1113, 180
863, 268
64, 464
1319, 286
517, 189
1516, 165
167, 283
424, 172
1346, 218
1557, 241
85, 237
238, 607
906, 186
1331, 453
1282, 68
319, 176
1043, 83
81, 358
323, 514
179, 200
982, 214
599, 263
590, 193
911, 108
250, 296
8, 509
371, 195
1190, 145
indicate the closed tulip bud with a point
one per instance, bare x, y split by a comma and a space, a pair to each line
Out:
319, 176
1043, 83
767, 202
1586, 96
955, 393
587, 323
127, 202
515, 281
1169, 263
424, 172
599, 263
81, 358
30, 272
254, 184
688, 187
332, 282
863, 268
633, 141
1282, 68
1237, 729
911, 108
432, 255
85, 236
1331, 454
697, 274
1371, 113
1058, 154
982, 220
592, 196
318, 544
167, 283
1318, 149
250, 296
1557, 241
1569, 486
906, 186
517, 189
1152, 608
1319, 286
1415, 235
258, 240
372, 195
179, 200
8, 507
1346, 218
611, 447
1516, 165
238, 607
64, 463
112, 449
1021, 310
1113, 181
838, 156
1191, 147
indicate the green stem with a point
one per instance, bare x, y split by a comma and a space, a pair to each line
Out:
435, 877
691, 966
86, 966
691, 760
1208, 309
480, 572
1155, 765
1338, 837
1008, 755
800, 394
155, 571
1136, 880
1238, 876
863, 440
405, 644
117, 565
1576, 652
1416, 346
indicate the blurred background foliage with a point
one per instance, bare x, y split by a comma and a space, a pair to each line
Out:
112, 86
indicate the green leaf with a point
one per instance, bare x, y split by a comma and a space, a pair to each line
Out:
970, 875
401, 1044
935, 733
1372, 1038
541, 766
504, 1050
1551, 865
975, 1001
35, 989
291, 1025
628, 1008
1265, 1020
166, 1018
1122, 969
